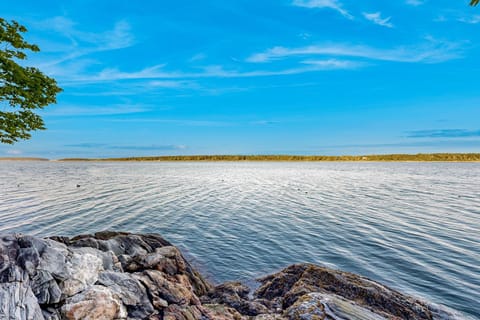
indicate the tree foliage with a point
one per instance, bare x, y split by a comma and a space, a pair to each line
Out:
22, 89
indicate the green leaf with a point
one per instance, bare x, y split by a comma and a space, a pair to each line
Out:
22, 89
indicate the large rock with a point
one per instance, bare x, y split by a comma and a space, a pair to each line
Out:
17, 301
325, 306
307, 291
131, 292
95, 303
116, 275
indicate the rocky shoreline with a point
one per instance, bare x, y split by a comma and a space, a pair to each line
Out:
116, 275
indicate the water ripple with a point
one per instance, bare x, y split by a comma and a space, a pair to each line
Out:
413, 226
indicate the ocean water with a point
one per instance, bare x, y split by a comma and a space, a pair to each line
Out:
412, 226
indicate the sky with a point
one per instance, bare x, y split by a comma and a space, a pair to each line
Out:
329, 77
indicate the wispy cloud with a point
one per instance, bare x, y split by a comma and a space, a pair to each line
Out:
198, 57
264, 122
73, 110
120, 36
432, 51
85, 145
180, 122
415, 3
320, 4
319, 65
443, 133
471, 20
14, 152
76, 63
458, 17
376, 17
88, 145
213, 71
149, 147
440, 18
69, 55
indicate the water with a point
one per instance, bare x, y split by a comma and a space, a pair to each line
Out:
412, 226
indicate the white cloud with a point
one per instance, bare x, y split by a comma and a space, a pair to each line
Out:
150, 147
376, 17
471, 20
79, 110
440, 18
329, 64
181, 122
333, 64
66, 55
13, 152
433, 51
330, 4
213, 71
198, 57
120, 36
167, 84
305, 35
416, 3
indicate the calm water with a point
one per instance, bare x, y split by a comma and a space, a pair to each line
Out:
412, 226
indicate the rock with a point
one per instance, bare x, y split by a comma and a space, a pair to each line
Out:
296, 281
166, 289
50, 313
166, 259
17, 301
83, 269
53, 258
117, 275
95, 303
175, 312
222, 312
235, 295
325, 306
45, 287
131, 292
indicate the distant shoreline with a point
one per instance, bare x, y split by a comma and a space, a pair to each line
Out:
422, 157
435, 157
23, 159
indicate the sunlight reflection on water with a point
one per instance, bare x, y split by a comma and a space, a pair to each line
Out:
412, 226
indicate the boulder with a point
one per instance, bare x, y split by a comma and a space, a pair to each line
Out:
117, 275
94, 303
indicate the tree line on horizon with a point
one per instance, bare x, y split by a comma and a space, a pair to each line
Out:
379, 157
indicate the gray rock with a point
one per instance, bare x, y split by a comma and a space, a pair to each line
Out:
117, 275
45, 287
328, 306
131, 292
53, 259
50, 313
296, 281
17, 301
83, 269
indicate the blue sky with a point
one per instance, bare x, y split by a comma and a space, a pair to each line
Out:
254, 77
